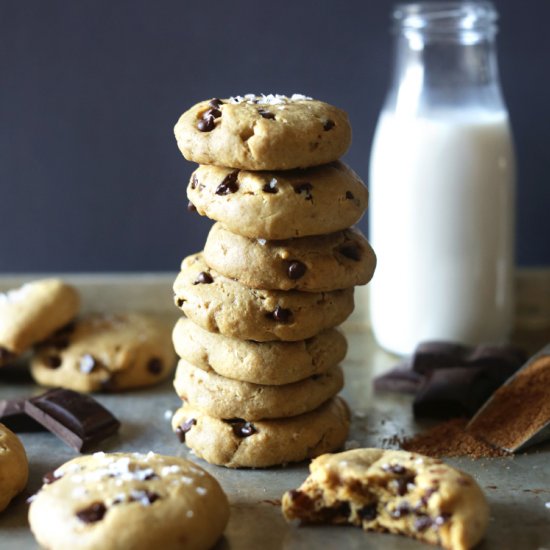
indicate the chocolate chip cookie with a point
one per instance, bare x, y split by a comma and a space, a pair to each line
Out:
219, 304
106, 352
270, 363
239, 443
14, 468
32, 312
263, 132
128, 500
222, 397
312, 264
392, 491
279, 205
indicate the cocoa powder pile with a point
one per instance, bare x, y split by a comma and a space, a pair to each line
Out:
518, 409
450, 439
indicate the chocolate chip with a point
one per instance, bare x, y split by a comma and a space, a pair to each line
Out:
52, 361
351, 250
151, 476
329, 125
306, 188
402, 509
266, 114
203, 278
154, 366
92, 513
191, 207
49, 478
194, 181
241, 428
215, 102
206, 124
421, 523
271, 186
394, 469
182, 429
216, 113
88, 363
368, 512
229, 184
144, 496
349, 195
280, 314
301, 500
296, 270
180, 302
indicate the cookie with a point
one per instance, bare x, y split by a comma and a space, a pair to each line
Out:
270, 132
120, 501
269, 363
109, 352
32, 312
14, 468
239, 443
392, 491
312, 264
219, 304
279, 205
226, 398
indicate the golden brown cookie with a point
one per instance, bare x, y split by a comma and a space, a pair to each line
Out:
14, 468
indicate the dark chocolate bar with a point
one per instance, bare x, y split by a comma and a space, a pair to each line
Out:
401, 379
78, 419
12, 415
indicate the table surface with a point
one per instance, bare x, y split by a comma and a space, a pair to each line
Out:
518, 488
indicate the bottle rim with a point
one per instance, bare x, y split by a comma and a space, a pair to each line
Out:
446, 17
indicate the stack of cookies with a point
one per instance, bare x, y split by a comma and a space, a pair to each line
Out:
259, 371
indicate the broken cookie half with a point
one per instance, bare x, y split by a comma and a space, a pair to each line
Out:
392, 491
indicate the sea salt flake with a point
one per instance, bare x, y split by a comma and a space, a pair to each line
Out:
168, 414
201, 491
189, 513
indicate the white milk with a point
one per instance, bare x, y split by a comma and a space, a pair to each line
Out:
441, 223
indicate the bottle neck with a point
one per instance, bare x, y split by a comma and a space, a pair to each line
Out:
443, 63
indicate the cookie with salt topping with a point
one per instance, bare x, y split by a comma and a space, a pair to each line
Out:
263, 132
14, 468
128, 500
106, 352
32, 312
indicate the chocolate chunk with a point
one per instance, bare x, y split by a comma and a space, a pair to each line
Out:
88, 363
182, 429
296, 270
12, 415
241, 428
401, 510
155, 366
92, 513
350, 250
404, 484
349, 195
401, 379
229, 184
266, 114
206, 124
191, 207
423, 522
203, 278
281, 315
306, 188
301, 500
78, 419
216, 113
180, 302
270, 186
329, 125
368, 512
215, 102
52, 361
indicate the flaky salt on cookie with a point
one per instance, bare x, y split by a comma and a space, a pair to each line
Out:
392, 491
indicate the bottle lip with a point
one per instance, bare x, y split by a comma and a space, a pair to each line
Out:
446, 17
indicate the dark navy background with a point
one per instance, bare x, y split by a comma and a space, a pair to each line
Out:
90, 175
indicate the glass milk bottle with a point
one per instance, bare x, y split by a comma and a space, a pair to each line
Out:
442, 181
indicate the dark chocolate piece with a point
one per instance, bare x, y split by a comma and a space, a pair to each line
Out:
182, 429
229, 184
329, 125
92, 513
271, 187
241, 428
296, 269
280, 314
215, 102
12, 415
203, 278
78, 419
154, 366
266, 114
